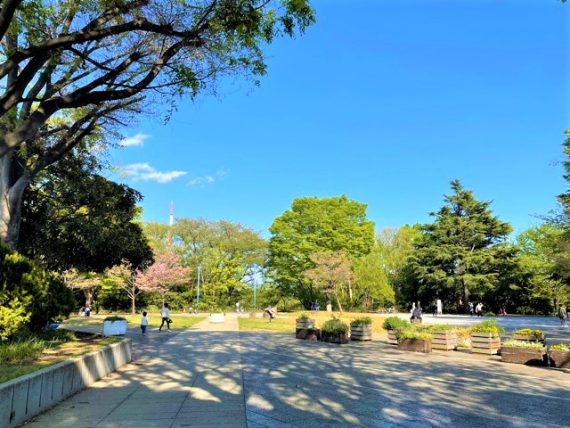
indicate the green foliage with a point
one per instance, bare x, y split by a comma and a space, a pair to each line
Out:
522, 344
463, 252
560, 347
72, 207
21, 285
114, 318
315, 225
436, 327
413, 333
361, 321
395, 323
488, 326
535, 335
335, 326
21, 352
304, 317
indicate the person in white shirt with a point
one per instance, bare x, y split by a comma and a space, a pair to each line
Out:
165, 314
144, 323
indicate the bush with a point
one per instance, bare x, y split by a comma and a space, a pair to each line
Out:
114, 318
304, 317
488, 326
395, 323
412, 333
362, 321
522, 344
21, 352
534, 335
335, 326
21, 284
560, 347
57, 305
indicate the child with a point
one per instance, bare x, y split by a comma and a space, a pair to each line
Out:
144, 323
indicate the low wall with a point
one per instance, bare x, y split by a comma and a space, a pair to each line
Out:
26, 396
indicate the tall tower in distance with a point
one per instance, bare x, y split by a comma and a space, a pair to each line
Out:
171, 213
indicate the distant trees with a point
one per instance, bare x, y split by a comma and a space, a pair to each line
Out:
314, 225
463, 252
332, 274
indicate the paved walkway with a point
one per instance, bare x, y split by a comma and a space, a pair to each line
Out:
213, 376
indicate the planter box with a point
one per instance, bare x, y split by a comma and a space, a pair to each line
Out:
525, 338
360, 332
308, 334
485, 343
340, 338
115, 328
559, 359
392, 340
302, 323
534, 357
217, 318
444, 340
415, 345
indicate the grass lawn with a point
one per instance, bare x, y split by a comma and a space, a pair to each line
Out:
286, 321
25, 356
178, 320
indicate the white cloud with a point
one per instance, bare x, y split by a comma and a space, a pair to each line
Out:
145, 172
201, 181
208, 179
134, 141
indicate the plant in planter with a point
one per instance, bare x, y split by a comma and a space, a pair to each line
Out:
444, 337
304, 327
391, 325
529, 335
308, 334
559, 355
361, 329
412, 339
114, 326
486, 337
523, 352
334, 331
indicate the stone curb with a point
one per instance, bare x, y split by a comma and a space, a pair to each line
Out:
26, 396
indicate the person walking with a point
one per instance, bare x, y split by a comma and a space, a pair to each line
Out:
471, 310
417, 314
563, 315
144, 323
413, 308
479, 309
439, 307
165, 314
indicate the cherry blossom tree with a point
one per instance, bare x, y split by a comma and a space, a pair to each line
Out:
166, 273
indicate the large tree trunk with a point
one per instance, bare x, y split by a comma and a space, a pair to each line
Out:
13, 182
88, 293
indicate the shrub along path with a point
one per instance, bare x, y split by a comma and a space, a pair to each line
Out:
213, 375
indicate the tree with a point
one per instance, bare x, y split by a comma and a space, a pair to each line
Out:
161, 277
463, 252
99, 59
74, 218
372, 284
314, 225
124, 277
86, 282
332, 273
545, 254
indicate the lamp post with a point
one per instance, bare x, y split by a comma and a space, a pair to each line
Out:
198, 289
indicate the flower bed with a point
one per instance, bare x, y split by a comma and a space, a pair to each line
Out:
335, 331
529, 335
523, 352
559, 356
361, 329
413, 340
485, 337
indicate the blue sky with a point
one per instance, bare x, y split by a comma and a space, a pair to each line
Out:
384, 101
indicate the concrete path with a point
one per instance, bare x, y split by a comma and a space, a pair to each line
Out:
213, 376
192, 379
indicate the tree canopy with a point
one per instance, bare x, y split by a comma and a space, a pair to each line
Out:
314, 225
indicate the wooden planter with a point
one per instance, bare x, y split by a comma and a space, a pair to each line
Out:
392, 339
415, 345
526, 338
559, 359
444, 340
360, 332
304, 323
308, 334
529, 357
485, 343
340, 338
